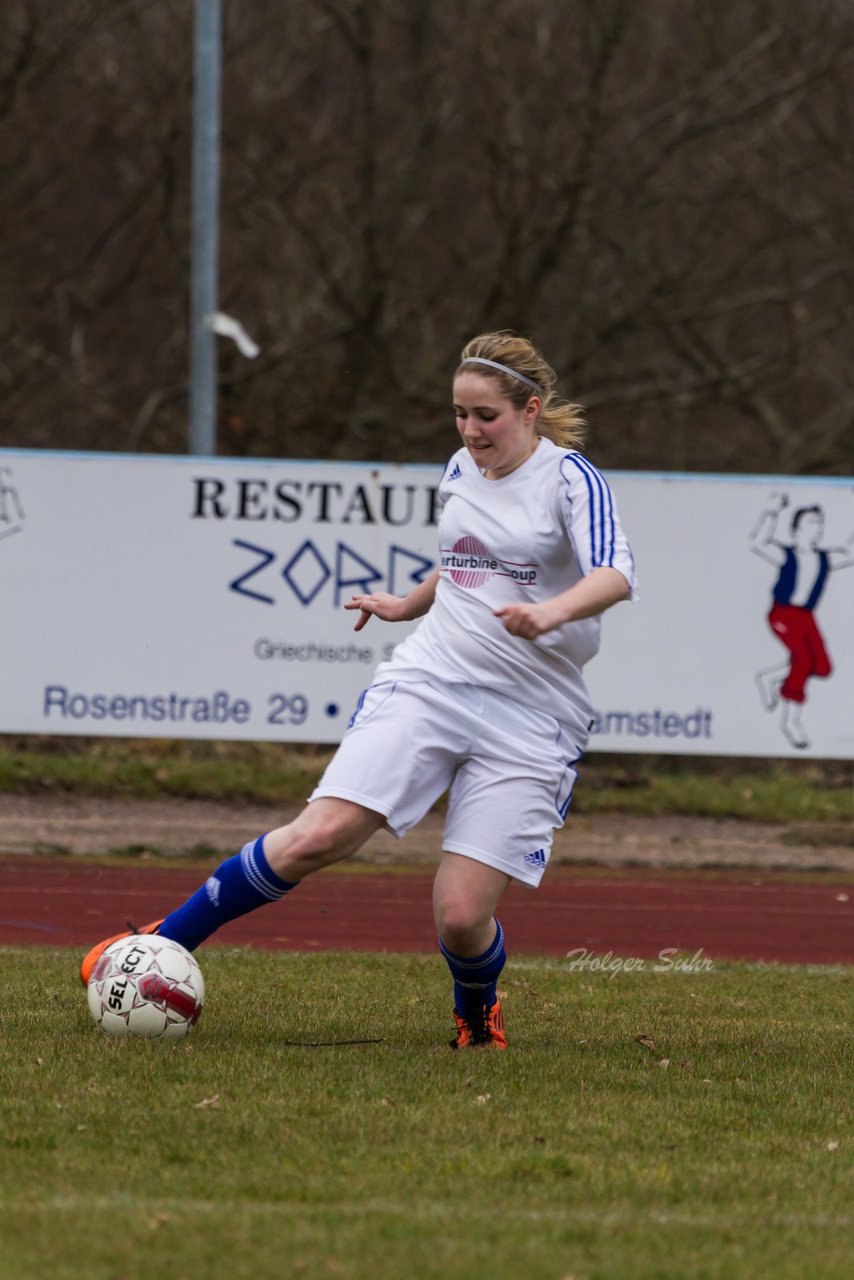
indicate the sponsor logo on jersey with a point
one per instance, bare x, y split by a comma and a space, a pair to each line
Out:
455, 472
471, 564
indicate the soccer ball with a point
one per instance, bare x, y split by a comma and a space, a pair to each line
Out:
146, 986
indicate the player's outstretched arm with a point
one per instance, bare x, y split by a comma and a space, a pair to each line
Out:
598, 591
394, 608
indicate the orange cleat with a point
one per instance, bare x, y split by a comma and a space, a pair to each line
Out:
483, 1030
91, 958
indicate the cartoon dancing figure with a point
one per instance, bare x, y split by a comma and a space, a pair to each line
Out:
804, 568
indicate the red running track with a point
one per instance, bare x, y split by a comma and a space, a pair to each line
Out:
59, 902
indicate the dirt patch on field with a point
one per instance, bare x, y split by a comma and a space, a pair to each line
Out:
179, 828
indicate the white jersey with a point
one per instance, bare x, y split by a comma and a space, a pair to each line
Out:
521, 539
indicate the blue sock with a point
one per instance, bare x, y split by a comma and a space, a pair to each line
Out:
476, 977
241, 884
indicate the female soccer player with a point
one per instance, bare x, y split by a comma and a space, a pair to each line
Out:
486, 697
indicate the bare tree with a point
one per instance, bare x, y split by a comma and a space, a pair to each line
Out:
659, 192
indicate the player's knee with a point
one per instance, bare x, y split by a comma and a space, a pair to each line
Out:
459, 921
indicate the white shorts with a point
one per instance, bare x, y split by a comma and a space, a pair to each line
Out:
510, 770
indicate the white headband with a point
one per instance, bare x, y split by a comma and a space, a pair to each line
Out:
503, 368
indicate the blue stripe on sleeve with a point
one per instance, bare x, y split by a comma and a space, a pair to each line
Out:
602, 524
574, 458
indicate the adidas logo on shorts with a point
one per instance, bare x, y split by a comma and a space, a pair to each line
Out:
536, 859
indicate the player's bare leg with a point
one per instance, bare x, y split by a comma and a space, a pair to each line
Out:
466, 894
326, 831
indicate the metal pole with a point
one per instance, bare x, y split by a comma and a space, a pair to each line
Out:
205, 230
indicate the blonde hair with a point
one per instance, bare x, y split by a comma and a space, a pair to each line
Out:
558, 420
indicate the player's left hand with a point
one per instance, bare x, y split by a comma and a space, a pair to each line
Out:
529, 620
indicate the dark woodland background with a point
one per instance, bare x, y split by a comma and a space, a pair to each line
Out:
659, 192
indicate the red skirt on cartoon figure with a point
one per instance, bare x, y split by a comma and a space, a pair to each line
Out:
796, 628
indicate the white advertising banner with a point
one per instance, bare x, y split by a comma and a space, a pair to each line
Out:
203, 598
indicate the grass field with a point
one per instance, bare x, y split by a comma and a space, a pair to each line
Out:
719, 1145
